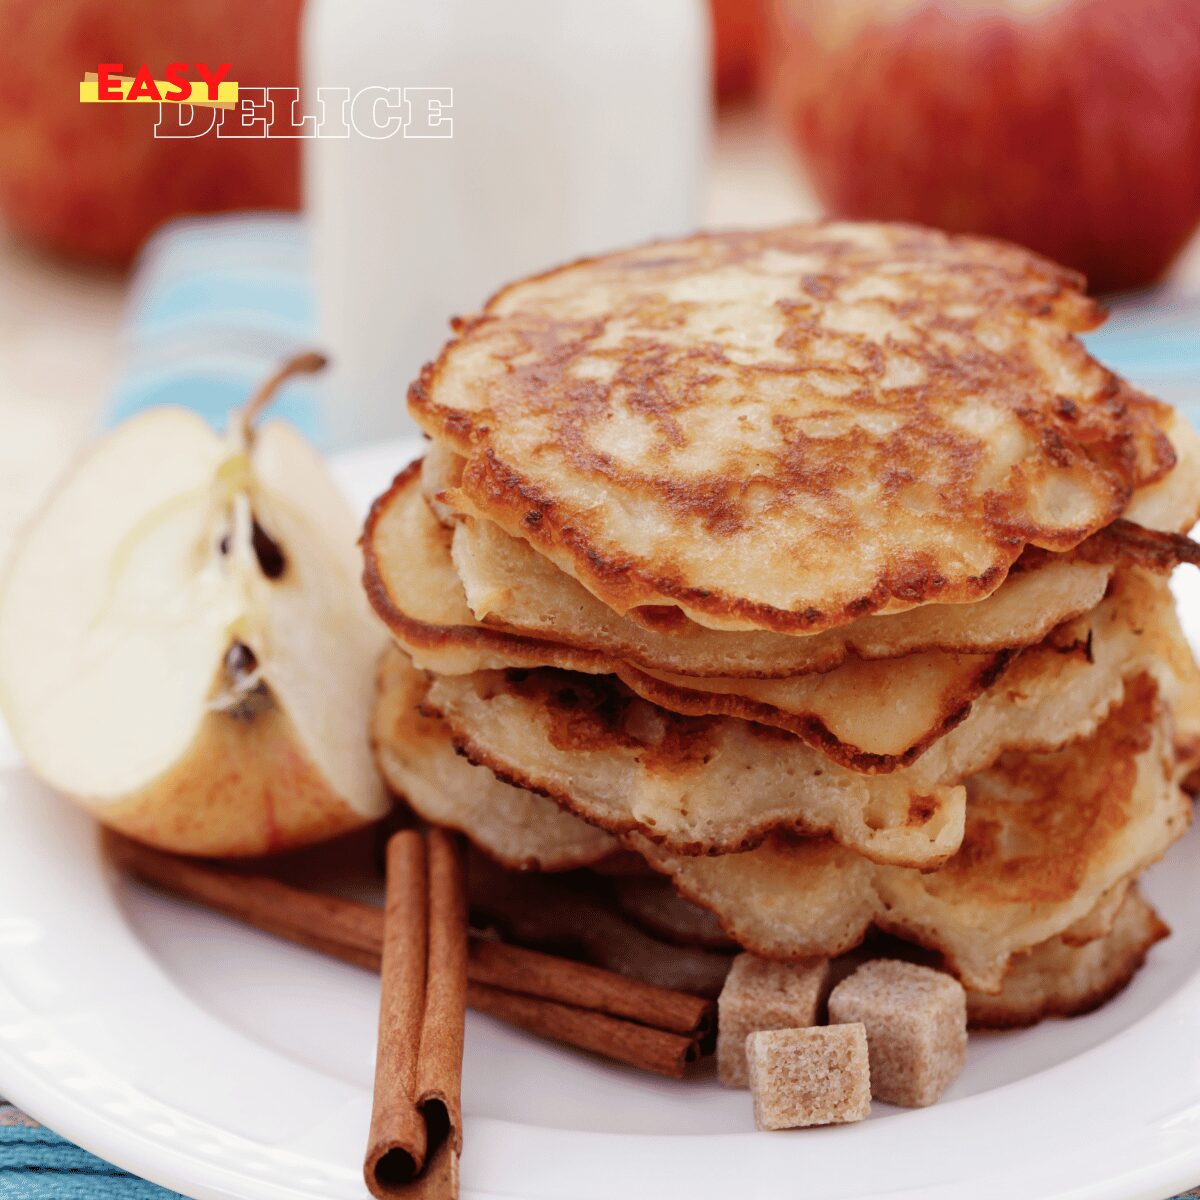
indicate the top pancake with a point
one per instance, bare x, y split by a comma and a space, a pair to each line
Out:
791, 429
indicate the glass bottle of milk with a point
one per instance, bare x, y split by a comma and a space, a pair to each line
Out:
465, 143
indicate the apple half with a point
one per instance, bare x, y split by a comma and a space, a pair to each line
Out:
184, 646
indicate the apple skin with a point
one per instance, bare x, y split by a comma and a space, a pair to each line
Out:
1071, 127
244, 788
90, 181
737, 31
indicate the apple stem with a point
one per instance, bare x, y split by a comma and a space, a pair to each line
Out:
307, 363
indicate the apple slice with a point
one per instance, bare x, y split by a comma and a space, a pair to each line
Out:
184, 645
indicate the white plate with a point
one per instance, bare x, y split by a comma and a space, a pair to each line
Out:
222, 1063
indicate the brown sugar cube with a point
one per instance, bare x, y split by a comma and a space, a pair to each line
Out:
818, 1076
760, 994
916, 1022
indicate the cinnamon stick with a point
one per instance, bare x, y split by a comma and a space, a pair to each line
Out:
649, 1049
515, 968
522, 986
344, 929
416, 1120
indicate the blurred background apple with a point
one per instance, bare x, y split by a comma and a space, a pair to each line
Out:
91, 180
738, 43
1071, 126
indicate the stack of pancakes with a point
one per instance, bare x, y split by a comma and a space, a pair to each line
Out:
825, 570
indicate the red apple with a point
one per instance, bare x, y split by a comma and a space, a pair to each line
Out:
91, 180
737, 27
1071, 126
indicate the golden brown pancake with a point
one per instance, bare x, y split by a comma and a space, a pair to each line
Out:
869, 716
1048, 836
417, 759
508, 583
791, 429
1173, 501
862, 712
1098, 922
704, 785
550, 620
817, 568
416, 589
1061, 978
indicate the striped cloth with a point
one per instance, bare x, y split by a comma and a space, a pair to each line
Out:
36, 1164
215, 305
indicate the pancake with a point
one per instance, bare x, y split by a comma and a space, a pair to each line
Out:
1063, 979
650, 421
704, 785
870, 716
416, 758
507, 582
1099, 921
1172, 502
1047, 838
416, 589
873, 714
1182, 685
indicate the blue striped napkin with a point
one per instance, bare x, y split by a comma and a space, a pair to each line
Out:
216, 303
36, 1164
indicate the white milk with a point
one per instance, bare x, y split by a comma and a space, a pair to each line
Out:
578, 126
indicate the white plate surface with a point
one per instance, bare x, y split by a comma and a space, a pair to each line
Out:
222, 1063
